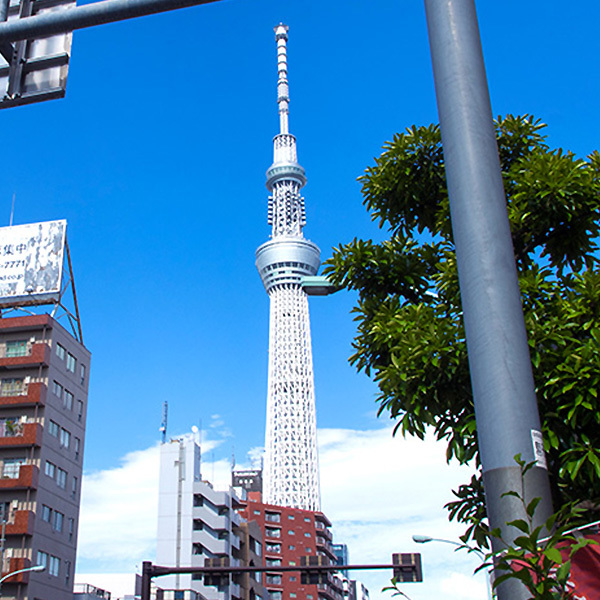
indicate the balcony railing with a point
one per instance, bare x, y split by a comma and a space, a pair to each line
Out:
21, 523
19, 435
28, 394
27, 477
39, 353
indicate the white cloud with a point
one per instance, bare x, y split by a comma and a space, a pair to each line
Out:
377, 490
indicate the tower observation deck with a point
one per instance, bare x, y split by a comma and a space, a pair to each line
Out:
291, 470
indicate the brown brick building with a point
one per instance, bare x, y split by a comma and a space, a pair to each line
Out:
290, 534
43, 401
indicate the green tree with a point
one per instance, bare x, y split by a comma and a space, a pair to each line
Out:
410, 335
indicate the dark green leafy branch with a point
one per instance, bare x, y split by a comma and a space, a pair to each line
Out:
410, 336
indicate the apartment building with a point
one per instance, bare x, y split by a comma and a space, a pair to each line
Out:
293, 536
196, 524
44, 373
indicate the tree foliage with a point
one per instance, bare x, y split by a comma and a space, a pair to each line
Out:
410, 336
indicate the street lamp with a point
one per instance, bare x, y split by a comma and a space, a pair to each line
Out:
36, 569
424, 539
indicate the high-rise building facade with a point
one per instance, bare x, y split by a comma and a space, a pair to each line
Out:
291, 470
292, 536
44, 374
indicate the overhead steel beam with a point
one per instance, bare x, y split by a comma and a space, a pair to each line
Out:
88, 15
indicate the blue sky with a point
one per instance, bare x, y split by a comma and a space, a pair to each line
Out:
157, 155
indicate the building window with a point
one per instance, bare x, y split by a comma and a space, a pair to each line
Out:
272, 517
68, 400
273, 562
54, 566
11, 387
11, 467
60, 351
292, 547
257, 512
82, 373
61, 478
272, 532
65, 438
256, 546
309, 597
57, 389
273, 579
292, 595
77, 444
306, 534
46, 513
71, 528
74, 486
291, 532
50, 469
270, 547
16, 348
197, 548
275, 595
291, 517
292, 563
307, 519
57, 522
71, 362
67, 571
79, 410
292, 578
42, 558
53, 428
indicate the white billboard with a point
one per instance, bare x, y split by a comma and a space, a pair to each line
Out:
31, 263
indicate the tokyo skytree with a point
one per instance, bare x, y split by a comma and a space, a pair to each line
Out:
291, 470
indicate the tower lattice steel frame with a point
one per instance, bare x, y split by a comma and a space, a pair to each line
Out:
291, 470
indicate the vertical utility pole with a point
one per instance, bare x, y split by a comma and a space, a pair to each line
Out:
2, 540
503, 389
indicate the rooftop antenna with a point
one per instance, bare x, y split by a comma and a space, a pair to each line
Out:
12, 210
163, 426
232, 458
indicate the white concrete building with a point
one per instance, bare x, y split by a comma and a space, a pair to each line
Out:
197, 522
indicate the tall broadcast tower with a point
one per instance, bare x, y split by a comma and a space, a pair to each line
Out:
291, 471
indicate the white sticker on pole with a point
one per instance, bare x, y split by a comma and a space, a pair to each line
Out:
538, 449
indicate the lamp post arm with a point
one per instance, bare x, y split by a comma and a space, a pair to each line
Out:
35, 568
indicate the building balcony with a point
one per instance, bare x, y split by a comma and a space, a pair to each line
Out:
323, 533
22, 524
34, 394
322, 519
28, 434
27, 478
39, 354
28, 323
327, 591
16, 564
324, 547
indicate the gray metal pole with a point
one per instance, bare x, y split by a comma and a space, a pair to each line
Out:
88, 15
503, 388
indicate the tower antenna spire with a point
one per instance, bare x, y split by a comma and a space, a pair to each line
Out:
163, 425
283, 90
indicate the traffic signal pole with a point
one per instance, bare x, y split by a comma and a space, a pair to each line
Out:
88, 15
406, 568
503, 388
